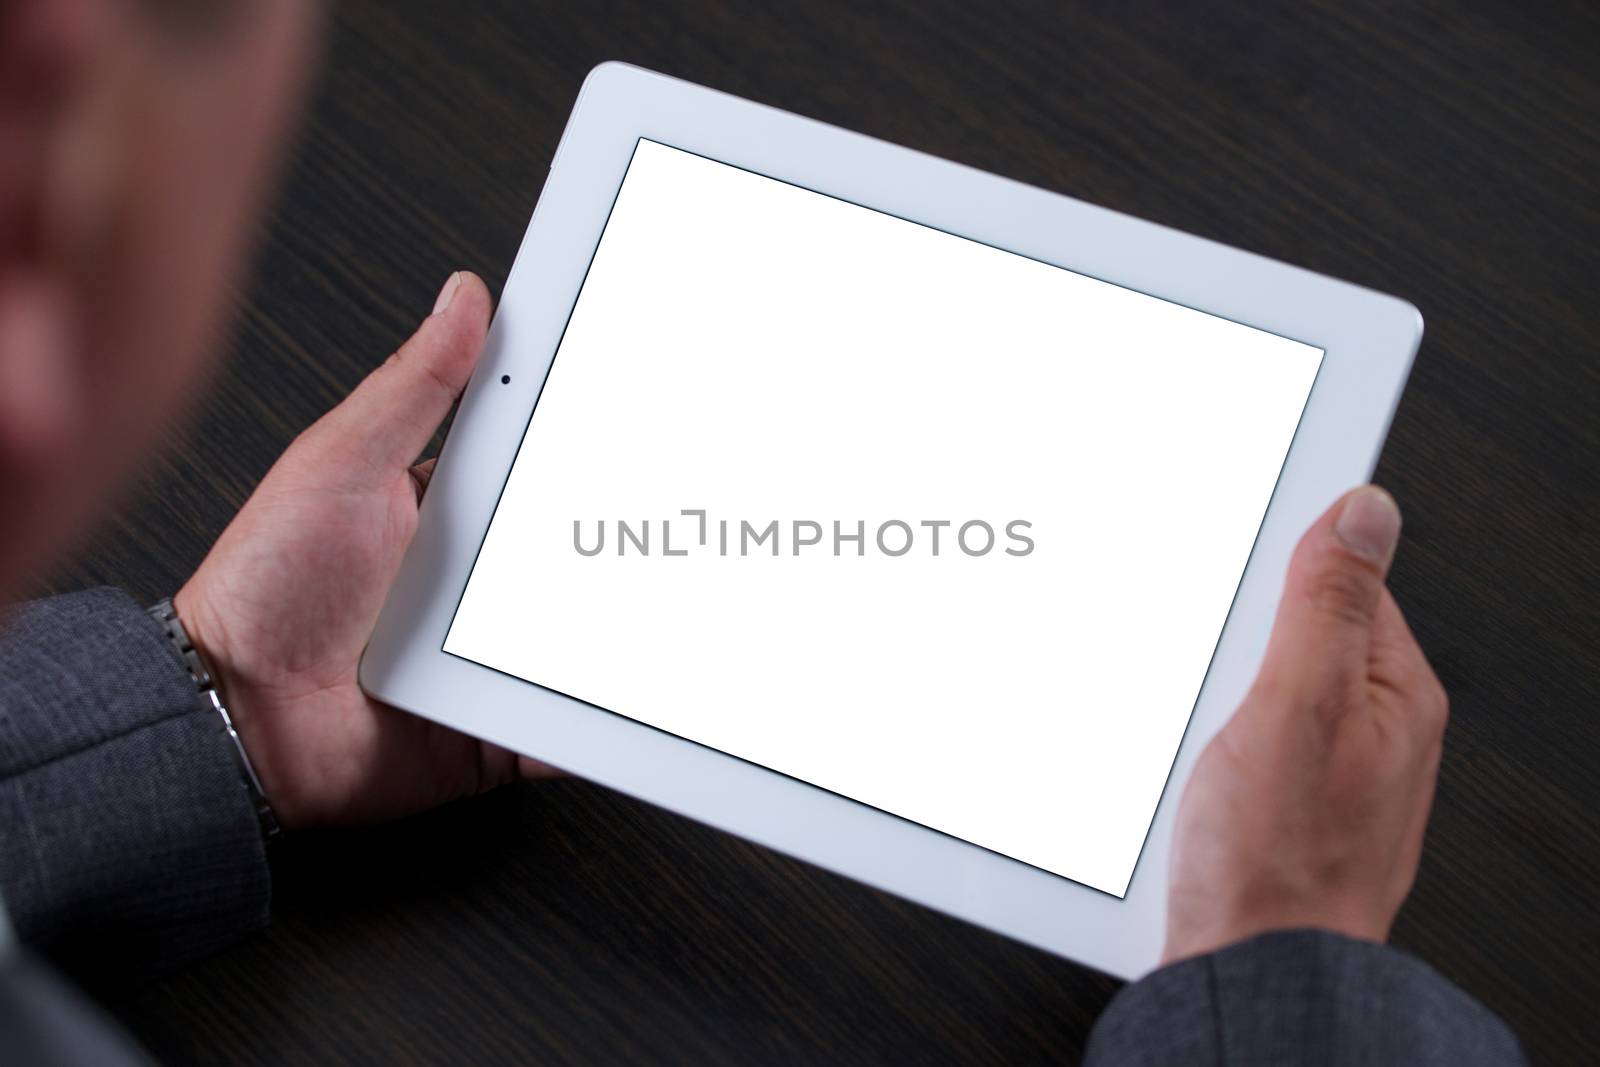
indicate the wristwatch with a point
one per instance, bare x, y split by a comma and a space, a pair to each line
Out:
205, 684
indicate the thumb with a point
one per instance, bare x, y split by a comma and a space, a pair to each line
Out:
393, 414
1331, 596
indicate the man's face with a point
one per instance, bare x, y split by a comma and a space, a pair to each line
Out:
136, 137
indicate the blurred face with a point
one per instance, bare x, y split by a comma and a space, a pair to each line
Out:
136, 139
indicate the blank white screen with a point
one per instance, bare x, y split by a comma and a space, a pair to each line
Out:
765, 352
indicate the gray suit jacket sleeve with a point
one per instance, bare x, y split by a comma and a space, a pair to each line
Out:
1301, 997
128, 843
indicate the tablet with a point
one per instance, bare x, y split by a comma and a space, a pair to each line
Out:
910, 520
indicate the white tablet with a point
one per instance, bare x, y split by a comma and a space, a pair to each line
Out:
912, 521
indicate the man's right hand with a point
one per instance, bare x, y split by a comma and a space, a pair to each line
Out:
1308, 808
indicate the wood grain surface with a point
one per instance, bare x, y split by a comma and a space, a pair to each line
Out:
1445, 152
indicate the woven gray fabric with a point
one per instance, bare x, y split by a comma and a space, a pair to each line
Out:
1299, 997
128, 844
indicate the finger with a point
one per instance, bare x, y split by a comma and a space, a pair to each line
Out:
421, 475
393, 414
1395, 657
1409, 695
1331, 595
1398, 668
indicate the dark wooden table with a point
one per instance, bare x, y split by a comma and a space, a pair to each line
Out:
1445, 152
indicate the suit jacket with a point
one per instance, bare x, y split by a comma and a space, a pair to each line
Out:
128, 845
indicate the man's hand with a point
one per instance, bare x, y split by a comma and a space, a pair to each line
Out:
285, 602
1308, 808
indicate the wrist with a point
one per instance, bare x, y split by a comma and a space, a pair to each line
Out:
1189, 936
196, 618
187, 625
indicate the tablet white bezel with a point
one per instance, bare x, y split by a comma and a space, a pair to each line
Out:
1369, 339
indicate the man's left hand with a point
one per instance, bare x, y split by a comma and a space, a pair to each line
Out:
287, 598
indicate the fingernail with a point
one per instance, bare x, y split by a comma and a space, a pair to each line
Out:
1369, 525
448, 293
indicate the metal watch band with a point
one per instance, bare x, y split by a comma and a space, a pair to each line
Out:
205, 684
